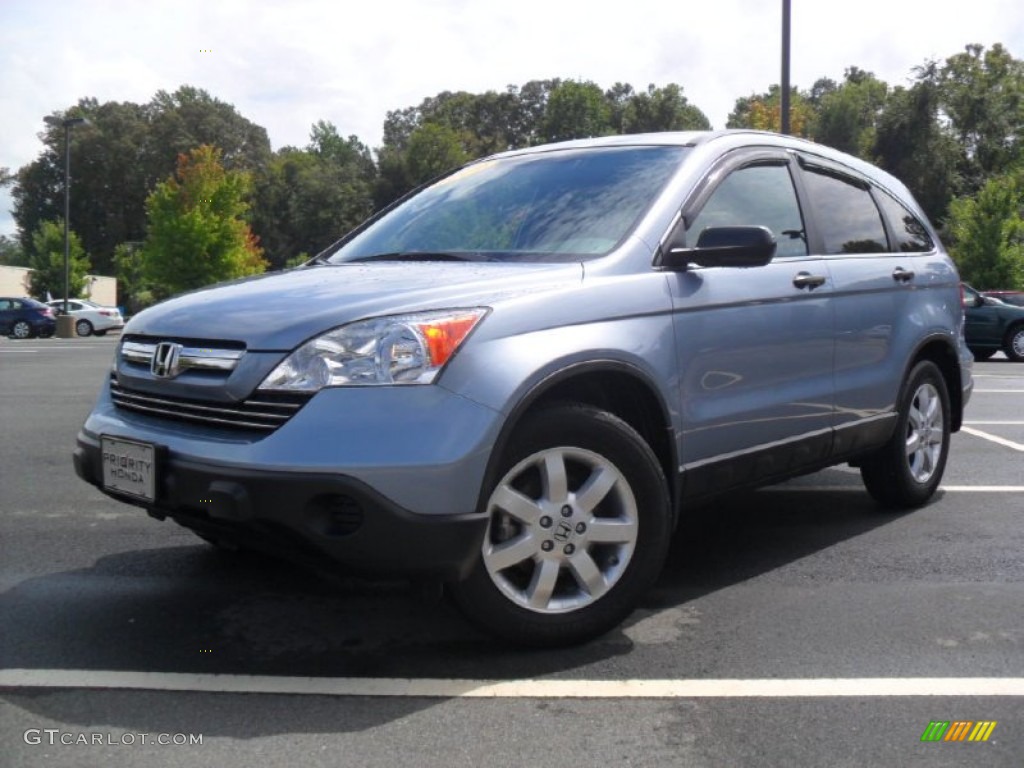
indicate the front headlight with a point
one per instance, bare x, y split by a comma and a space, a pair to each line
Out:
402, 349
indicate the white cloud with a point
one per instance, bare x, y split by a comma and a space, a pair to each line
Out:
286, 63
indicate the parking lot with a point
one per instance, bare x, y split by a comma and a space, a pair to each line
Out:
795, 625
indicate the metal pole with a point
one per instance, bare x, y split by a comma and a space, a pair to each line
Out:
784, 107
67, 211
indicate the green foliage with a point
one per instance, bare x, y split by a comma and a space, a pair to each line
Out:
982, 96
306, 199
988, 234
46, 258
763, 112
660, 109
910, 144
133, 288
197, 233
433, 149
118, 158
11, 252
847, 114
576, 110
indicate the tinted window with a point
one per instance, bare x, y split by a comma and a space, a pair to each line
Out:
758, 195
911, 235
554, 206
843, 208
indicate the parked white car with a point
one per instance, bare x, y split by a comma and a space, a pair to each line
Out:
90, 318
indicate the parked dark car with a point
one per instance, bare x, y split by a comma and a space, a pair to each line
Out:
992, 324
24, 318
1010, 297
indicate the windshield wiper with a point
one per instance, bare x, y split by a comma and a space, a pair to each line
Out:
416, 256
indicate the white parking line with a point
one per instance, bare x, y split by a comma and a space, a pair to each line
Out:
1000, 391
514, 689
998, 423
859, 488
993, 438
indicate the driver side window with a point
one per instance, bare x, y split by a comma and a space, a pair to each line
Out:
757, 195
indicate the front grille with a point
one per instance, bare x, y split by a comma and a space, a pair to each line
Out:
261, 412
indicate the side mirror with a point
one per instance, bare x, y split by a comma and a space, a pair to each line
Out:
979, 301
725, 247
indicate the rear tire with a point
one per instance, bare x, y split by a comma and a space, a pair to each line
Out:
579, 527
21, 330
906, 471
83, 328
1013, 347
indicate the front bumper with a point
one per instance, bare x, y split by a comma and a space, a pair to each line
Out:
377, 478
320, 520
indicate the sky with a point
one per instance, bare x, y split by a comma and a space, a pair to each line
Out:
284, 64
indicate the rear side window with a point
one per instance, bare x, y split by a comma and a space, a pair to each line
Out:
757, 195
848, 218
911, 235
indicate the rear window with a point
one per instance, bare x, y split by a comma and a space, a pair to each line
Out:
910, 234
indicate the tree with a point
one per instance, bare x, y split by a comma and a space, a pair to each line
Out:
119, 157
576, 110
988, 233
847, 114
133, 288
981, 93
763, 112
910, 144
11, 252
307, 198
197, 231
433, 149
659, 109
46, 258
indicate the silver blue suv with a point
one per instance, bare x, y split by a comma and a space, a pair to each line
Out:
522, 376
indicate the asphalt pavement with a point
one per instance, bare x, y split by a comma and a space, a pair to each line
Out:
795, 625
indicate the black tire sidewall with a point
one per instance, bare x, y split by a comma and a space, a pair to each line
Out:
604, 434
1008, 346
887, 473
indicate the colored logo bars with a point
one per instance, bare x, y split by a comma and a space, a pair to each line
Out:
958, 730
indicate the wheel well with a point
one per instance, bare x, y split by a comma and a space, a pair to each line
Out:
629, 398
945, 358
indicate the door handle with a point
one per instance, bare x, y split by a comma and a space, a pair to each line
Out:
807, 280
901, 275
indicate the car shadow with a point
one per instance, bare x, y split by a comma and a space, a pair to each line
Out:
190, 608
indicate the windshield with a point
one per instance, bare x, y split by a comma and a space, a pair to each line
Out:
555, 206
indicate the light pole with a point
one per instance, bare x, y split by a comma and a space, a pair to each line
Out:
784, 106
65, 326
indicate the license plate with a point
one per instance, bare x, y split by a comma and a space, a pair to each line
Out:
129, 467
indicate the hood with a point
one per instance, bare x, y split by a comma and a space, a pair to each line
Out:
276, 312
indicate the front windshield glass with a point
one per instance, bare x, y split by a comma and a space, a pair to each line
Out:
555, 206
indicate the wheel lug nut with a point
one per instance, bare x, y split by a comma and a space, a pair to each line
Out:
569, 549
547, 546
545, 522
566, 511
581, 528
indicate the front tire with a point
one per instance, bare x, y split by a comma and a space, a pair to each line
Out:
1014, 344
83, 328
579, 527
906, 471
